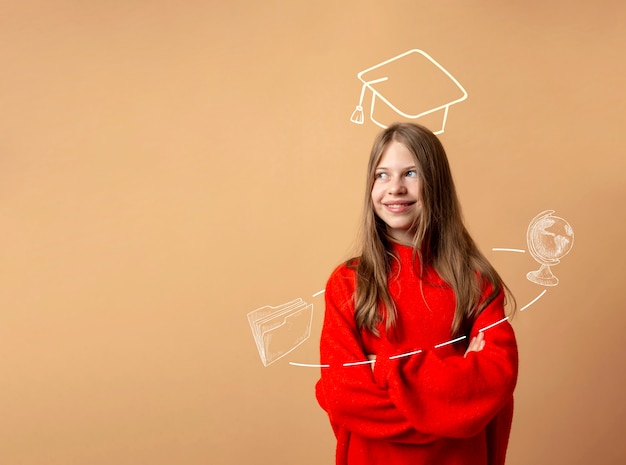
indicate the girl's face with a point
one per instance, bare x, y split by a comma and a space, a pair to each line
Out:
397, 192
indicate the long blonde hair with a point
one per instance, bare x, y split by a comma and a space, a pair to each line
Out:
441, 239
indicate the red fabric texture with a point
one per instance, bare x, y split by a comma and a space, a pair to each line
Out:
432, 407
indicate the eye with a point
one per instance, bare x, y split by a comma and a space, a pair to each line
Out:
411, 174
381, 175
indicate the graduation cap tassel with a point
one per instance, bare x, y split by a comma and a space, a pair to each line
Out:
357, 114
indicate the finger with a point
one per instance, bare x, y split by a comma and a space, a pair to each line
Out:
471, 346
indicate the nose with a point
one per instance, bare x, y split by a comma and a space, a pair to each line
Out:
397, 187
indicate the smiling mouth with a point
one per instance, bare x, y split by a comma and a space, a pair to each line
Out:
398, 204
398, 207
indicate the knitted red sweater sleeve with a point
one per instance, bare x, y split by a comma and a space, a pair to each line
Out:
498, 432
457, 396
349, 394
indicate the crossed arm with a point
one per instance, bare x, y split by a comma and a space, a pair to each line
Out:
419, 398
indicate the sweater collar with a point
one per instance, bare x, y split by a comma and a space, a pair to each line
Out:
403, 251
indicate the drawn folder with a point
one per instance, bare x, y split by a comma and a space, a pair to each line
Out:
279, 330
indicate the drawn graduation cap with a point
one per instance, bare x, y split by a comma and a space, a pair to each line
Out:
411, 85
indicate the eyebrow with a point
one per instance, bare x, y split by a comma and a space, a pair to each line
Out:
412, 167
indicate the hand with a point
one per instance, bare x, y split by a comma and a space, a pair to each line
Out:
372, 357
476, 344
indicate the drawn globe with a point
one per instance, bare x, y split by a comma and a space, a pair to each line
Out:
549, 239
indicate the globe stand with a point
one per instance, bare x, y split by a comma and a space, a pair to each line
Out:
543, 276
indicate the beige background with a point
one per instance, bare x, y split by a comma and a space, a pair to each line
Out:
167, 167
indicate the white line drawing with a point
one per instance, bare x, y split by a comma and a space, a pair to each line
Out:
502, 249
393, 357
308, 365
279, 330
450, 342
408, 354
319, 292
366, 362
493, 324
533, 301
549, 239
432, 89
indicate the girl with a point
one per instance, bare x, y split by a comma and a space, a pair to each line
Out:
419, 360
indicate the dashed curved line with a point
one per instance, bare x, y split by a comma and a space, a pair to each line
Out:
493, 324
406, 354
415, 352
450, 342
366, 362
533, 301
308, 365
393, 357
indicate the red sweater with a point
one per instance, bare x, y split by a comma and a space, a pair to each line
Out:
431, 407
